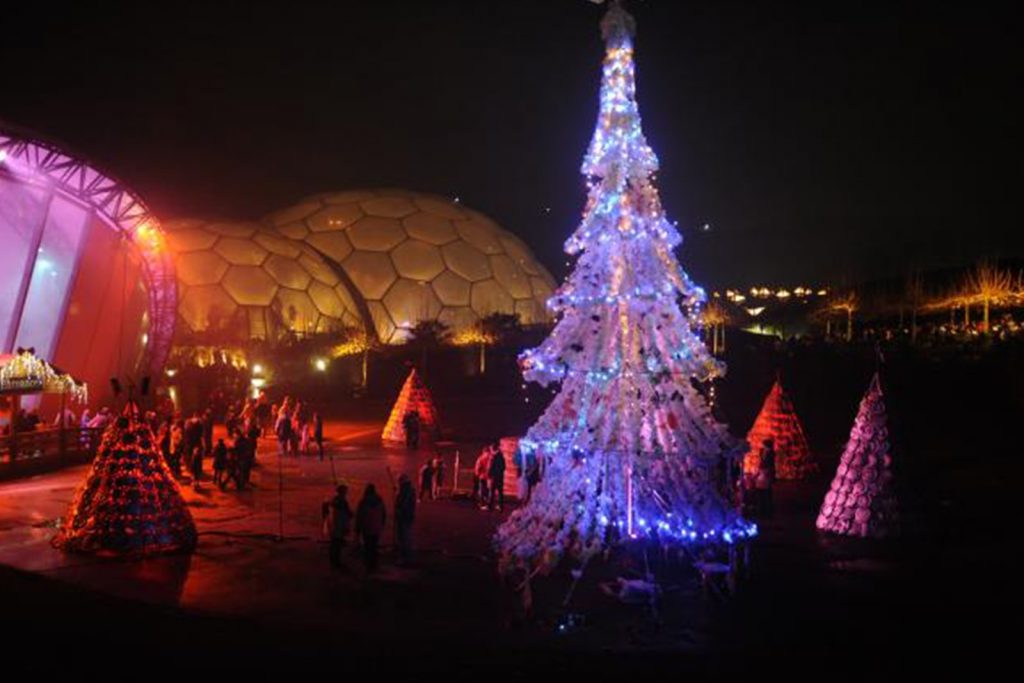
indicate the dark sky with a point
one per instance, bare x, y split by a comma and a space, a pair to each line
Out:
821, 141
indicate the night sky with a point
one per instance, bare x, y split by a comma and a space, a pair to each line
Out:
822, 141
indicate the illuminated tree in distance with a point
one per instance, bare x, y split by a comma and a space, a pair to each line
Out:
630, 447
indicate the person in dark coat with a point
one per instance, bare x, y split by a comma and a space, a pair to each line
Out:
318, 434
405, 514
496, 475
337, 516
427, 479
411, 423
245, 450
208, 432
371, 516
438, 478
220, 463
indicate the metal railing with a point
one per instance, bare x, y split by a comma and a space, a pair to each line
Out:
43, 450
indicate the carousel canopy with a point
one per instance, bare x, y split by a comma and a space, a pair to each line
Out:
25, 373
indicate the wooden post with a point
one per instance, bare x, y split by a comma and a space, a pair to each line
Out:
455, 475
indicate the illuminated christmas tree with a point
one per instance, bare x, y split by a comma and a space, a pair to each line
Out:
862, 498
413, 396
130, 503
629, 446
778, 421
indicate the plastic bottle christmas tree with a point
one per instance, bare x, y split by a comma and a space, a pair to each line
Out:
413, 396
862, 499
630, 446
778, 421
130, 503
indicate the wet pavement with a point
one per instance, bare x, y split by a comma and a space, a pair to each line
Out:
260, 576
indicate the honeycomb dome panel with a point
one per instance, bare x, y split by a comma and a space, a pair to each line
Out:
520, 253
466, 261
334, 245
542, 289
458, 318
205, 305
374, 233
288, 272
240, 252
295, 230
336, 217
480, 233
430, 228
515, 281
382, 323
188, 239
318, 269
451, 289
441, 207
380, 258
326, 300
278, 245
489, 297
408, 302
293, 213
388, 207
417, 260
200, 268
296, 310
371, 272
249, 285
529, 311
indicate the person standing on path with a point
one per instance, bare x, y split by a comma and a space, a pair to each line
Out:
427, 479
318, 434
371, 517
411, 423
405, 514
496, 475
337, 515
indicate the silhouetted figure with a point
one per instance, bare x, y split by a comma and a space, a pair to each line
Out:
337, 516
496, 476
411, 423
405, 514
318, 434
220, 463
427, 479
370, 519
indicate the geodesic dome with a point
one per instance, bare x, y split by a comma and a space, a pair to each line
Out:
392, 258
247, 277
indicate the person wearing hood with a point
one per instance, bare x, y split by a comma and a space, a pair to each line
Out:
405, 514
371, 516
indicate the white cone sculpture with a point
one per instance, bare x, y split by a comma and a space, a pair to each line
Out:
862, 499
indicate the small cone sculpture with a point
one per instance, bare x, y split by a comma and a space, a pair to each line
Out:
862, 499
130, 503
414, 396
778, 421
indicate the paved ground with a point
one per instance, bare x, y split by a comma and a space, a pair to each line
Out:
278, 602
